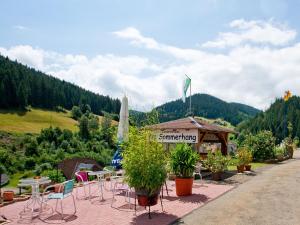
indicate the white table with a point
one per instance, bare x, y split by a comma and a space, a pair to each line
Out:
34, 203
100, 178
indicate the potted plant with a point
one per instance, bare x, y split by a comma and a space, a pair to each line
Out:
8, 196
241, 162
144, 163
2, 171
183, 160
57, 177
248, 159
216, 163
279, 153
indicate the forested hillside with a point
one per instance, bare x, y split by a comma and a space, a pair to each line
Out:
209, 107
276, 119
21, 86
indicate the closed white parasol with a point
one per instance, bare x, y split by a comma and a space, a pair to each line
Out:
123, 121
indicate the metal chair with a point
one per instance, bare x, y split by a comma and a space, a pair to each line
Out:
198, 171
66, 190
120, 186
82, 179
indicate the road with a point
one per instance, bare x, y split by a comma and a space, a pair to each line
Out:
272, 197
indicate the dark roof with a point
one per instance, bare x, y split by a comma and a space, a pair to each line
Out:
191, 123
68, 166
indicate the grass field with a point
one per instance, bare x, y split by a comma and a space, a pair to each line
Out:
35, 120
254, 165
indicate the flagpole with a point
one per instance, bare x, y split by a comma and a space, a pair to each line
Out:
191, 98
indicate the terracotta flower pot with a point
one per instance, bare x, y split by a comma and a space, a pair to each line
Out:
144, 200
248, 167
184, 186
8, 196
217, 176
240, 168
58, 188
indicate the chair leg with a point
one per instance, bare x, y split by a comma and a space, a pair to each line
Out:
75, 209
62, 211
113, 198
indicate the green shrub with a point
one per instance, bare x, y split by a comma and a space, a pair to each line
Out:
183, 160
54, 175
144, 162
216, 162
279, 151
262, 145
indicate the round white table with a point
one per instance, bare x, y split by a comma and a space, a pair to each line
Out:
34, 203
100, 179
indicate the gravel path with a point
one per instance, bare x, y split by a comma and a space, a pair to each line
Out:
271, 197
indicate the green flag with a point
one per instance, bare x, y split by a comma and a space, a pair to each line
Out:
186, 84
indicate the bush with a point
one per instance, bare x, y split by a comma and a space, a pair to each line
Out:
216, 162
183, 160
262, 145
76, 112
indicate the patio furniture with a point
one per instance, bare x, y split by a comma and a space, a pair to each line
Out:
82, 179
113, 175
100, 180
67, 191
120, 186
34, 203
198, 171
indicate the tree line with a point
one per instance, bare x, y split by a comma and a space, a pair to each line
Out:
21, 86
281, 117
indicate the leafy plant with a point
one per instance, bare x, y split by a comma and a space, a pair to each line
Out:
216, 162
54, 175
279, 151
244, 156
183, 160
262, 145
144, 161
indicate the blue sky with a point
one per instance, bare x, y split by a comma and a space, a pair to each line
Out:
111, 47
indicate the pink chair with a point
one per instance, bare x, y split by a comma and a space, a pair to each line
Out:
83, 179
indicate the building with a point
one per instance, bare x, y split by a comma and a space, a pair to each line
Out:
192, 130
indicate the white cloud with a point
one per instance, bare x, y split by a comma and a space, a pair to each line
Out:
255, 31
20, 27
250, 74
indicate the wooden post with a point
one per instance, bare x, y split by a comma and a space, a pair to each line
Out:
223, 140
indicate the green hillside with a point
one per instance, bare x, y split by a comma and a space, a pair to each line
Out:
21, 86
276, 119
203, 105
34, 120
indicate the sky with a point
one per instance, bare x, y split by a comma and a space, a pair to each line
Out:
237, 50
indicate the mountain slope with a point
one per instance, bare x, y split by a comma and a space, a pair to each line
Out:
21, 86
34, 120
276, 119
209, 107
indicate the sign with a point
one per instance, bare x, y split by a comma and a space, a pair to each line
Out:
178, 136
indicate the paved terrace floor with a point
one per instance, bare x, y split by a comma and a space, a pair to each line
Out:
97, 212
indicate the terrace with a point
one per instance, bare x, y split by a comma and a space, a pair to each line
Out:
97, 211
